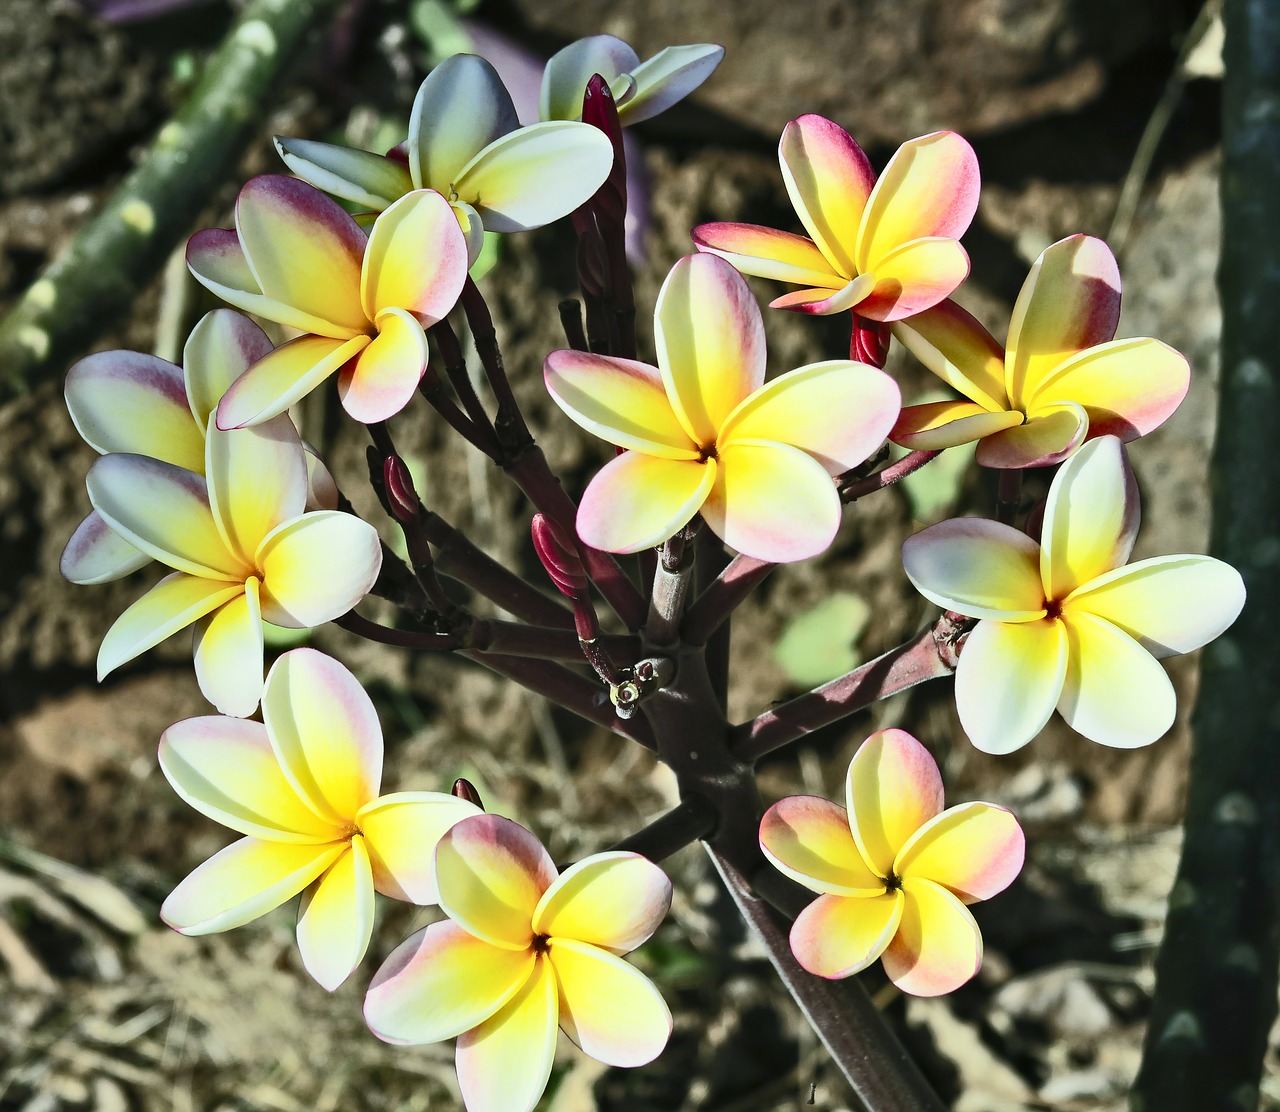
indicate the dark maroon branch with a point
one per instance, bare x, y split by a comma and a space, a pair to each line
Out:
482, 433
713, 607
691, 819
911, 462
509, 426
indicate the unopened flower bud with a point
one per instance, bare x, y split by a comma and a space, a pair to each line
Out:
465, 789
559, 558
402, 499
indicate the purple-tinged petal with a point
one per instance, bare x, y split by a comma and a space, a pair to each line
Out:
222, 346
416, 261
257, 479
96, 553
767, 253
1045, 438
380, 381
946, 424
914, 277
956, 348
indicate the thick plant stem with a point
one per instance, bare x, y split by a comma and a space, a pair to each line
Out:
1215, 997
122, 247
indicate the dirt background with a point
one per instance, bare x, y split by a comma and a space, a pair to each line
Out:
104, 1008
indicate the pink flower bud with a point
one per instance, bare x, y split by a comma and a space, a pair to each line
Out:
558, 558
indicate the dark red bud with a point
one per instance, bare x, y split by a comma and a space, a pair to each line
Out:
402, 499
600, 110
869, 342
465, 789
559, 558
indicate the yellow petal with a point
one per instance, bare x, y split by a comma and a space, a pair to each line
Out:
938, 946
380, 381
638, 501
936, 425
228, 653
956, 348
416, 260
612, 900
1047, 437
974, 850
837, 936
977, 567
401, 831
335, 918
317, 567
892, 789
808, 839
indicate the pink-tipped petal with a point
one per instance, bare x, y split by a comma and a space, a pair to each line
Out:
767, 253
164, 511
460, 109
228, 654
837, 936
638, 501
304, 250
772, 501
335, 918
808, 839
974, 850
977, 567
829, 180
171, 605
380, 381
564, 81
536, 175
222, 346
956, 348
929, 188
838, 412
371, 180
938, 946
285, 376
504, 1064
416, 260
619, 400
124, 401
245, 880
893, 788
1048, 436
324, 732
1091, 517
609, 1008
226, 769
257, 478
1116, 693
710, 341
1128, 387
666, 78
611, 900
1069, 302
401, 831
1168, 604
852, 293
96, 553
317, 567
440, 982
914, 277
947, 424
1009, 681
491, 874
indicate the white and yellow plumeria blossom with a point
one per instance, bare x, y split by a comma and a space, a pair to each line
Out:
1065, 623
705, 433
640, 89
297, 258
466, 142
126, 401
525, 951
303, 788
1061, 379
242, 549
893, 869
885, 248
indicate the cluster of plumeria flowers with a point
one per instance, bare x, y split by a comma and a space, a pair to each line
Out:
203, 471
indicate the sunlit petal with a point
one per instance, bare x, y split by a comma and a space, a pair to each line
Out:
929, 188
611, 900
245, 880
956, 348
710, 341
828, 179
938, 946
837, 936
416, 260
222, 346
609, 1008
460, 109
1168, 604
564, 81
1046, 437
768, 253
893, 788
838, 412
666, 78
383, 378
1090, 519
257, 478
96, 553
974, 850
852, 293
317, 567
936, 425
638, 501
1116, 693
335, 918
401, 831
914, 277
325, 733
491, 873
1009, 681
440, 982
808, 839
228, 654
368, 179
977, 567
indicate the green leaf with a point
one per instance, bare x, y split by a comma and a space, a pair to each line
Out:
818, 645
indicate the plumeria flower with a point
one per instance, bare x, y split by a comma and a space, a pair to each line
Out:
1061, 380
126, 401
466, 142
242, 549
705, 433
295, 257
885, 248
522, 952
640, 89
1065, 623
303, 788
894, 871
